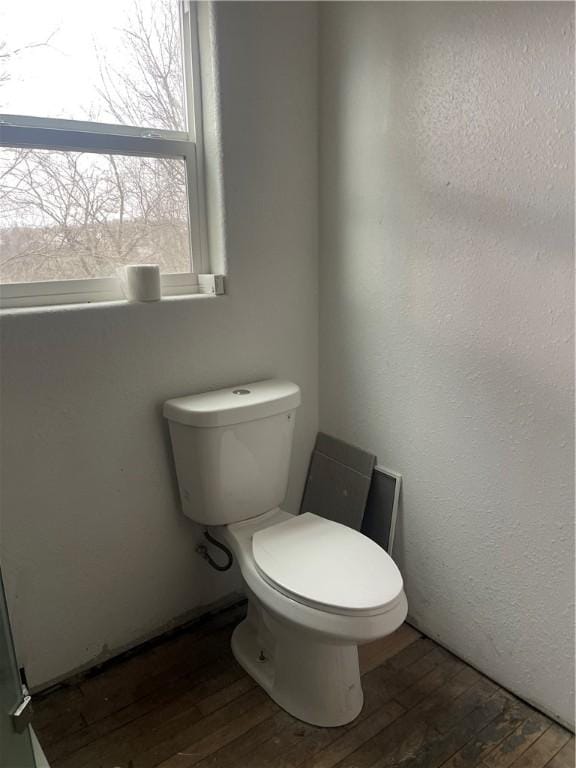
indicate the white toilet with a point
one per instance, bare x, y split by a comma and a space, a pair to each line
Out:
316, 589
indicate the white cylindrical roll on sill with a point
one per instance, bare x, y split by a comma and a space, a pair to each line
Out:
141, 282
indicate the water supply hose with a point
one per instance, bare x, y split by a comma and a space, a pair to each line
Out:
202, 550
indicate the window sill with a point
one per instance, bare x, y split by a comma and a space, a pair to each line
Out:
105, 292
115, 304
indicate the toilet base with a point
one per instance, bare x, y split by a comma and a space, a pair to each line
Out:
316, 681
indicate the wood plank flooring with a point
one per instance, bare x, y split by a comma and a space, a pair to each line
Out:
184, 702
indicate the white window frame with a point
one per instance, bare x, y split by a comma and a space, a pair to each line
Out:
18, 131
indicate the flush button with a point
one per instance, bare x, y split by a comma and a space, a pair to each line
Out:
240, 391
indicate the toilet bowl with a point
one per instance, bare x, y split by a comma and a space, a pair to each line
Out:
306, 615
316, 589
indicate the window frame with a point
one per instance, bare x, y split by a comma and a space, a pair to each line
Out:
17, 131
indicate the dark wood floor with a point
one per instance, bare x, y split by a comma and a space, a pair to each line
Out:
185, 702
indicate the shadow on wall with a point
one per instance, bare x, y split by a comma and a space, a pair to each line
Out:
477, 266
446, 310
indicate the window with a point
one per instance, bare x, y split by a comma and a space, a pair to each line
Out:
100, 148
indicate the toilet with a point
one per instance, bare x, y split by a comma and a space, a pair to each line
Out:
316, 589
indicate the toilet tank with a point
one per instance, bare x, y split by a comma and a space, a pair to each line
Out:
232, 449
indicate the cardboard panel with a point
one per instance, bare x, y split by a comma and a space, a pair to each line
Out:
338, 481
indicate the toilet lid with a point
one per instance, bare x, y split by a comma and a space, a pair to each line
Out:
327, 565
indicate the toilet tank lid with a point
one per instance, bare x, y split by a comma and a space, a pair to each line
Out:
234, 405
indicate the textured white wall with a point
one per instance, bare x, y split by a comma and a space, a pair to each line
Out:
446, 311
95, 551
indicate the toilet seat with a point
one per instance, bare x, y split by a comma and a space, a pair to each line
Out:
339, 626
328, 566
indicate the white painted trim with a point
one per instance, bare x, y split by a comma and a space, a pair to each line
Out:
30, 121
75, 139
194, 112
212, 284
100, 289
